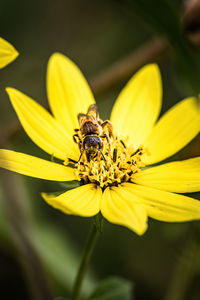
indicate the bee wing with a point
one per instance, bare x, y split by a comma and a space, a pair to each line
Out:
81, 118
93, 111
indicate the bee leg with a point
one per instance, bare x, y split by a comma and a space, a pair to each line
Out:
108, 125
74, 138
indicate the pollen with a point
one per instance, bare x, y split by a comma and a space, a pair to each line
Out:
115, 164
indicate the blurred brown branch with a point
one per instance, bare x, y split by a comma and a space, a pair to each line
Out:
149, 52
191, 21
8, 132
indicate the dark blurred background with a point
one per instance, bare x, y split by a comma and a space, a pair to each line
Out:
165, 262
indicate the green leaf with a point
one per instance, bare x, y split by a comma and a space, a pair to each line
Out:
113, 288
59, 257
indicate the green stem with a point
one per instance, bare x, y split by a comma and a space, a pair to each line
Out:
92, 238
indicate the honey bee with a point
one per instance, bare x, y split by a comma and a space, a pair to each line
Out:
91, 132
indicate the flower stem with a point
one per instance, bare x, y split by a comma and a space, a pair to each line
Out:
92, 238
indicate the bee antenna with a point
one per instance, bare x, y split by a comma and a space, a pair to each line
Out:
102, 154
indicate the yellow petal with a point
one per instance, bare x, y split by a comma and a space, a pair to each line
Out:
35, 167
41, 127
119, 209
7, 53
179, 176
68, 91
138, 105
164, 206
174, 130
82, 201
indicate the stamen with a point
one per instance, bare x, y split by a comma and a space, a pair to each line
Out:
114, 155
135, 152
123, 143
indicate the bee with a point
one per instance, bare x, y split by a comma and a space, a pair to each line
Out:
91, 132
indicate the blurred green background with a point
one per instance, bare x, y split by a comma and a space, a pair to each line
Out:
165, 262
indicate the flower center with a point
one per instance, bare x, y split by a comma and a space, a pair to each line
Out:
118, 165
104, 158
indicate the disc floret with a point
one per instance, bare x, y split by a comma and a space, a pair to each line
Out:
119, 164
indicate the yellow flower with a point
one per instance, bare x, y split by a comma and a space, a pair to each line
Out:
7, 53
114, 179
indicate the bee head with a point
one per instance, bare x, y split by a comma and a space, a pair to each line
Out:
92, 143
